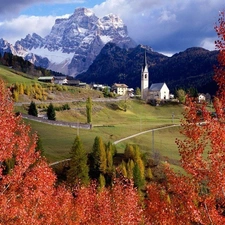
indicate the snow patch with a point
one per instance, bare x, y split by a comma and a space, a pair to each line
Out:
54, 56
105, 39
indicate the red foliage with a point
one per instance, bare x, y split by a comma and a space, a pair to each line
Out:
27, 191
29, 195
117, 205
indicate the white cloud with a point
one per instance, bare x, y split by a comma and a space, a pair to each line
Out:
208, 43
15, 29
167, 25
167, 16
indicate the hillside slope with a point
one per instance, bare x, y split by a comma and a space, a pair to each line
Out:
191, 68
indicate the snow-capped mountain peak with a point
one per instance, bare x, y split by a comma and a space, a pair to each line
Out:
74, 42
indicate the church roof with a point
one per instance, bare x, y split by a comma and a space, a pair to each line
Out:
156, 86
145, 64
120, 85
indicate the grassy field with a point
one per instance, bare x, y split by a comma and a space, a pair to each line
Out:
111, 125
10, 76
109, 120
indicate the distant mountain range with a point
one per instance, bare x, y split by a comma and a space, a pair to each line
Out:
99, 50
73, 43
191, 68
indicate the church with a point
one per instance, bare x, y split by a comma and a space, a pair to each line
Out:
157, 91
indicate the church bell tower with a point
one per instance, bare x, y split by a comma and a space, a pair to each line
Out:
144, 79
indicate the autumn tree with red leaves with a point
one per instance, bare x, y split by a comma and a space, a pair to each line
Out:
27, 188
199, 196
29, 195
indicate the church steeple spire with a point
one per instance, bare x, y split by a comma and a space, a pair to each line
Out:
145, 62
144, 79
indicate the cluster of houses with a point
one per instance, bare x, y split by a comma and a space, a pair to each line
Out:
156, 91
62, 80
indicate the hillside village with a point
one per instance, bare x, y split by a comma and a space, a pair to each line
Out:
154, 94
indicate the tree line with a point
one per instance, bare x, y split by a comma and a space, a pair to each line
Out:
20, 65
99, 165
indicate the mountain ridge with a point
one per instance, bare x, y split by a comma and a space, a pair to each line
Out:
73, 43
193, 67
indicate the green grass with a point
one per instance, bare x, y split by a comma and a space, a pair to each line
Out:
112, 125
10, 76
161, 142
109, 120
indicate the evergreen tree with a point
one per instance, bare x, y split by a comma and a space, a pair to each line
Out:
130, 167
78, 172
139, 181
123, 169
99, 156
129, 152
89, 110
106, 92
51, 112
101, 181
193, 92
32, 109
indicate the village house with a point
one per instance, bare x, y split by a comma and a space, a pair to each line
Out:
120, 89
60, 80
201, 98
47, 79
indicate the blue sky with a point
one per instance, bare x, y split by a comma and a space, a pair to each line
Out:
43, 9
168, 26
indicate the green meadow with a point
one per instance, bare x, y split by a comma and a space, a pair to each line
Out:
11, 76
112, 121
112, 125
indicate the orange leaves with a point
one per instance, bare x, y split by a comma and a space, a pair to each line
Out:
203, 150
117, 205
28, 194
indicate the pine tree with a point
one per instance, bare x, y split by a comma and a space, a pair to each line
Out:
139, 181
99, 156
89, 110
130, 167
78, 172
101, 181
129, 152
32, 109
51, 112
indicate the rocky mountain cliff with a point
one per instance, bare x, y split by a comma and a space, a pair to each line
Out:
73, 43
190, 68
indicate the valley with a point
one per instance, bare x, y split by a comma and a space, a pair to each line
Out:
109, 121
